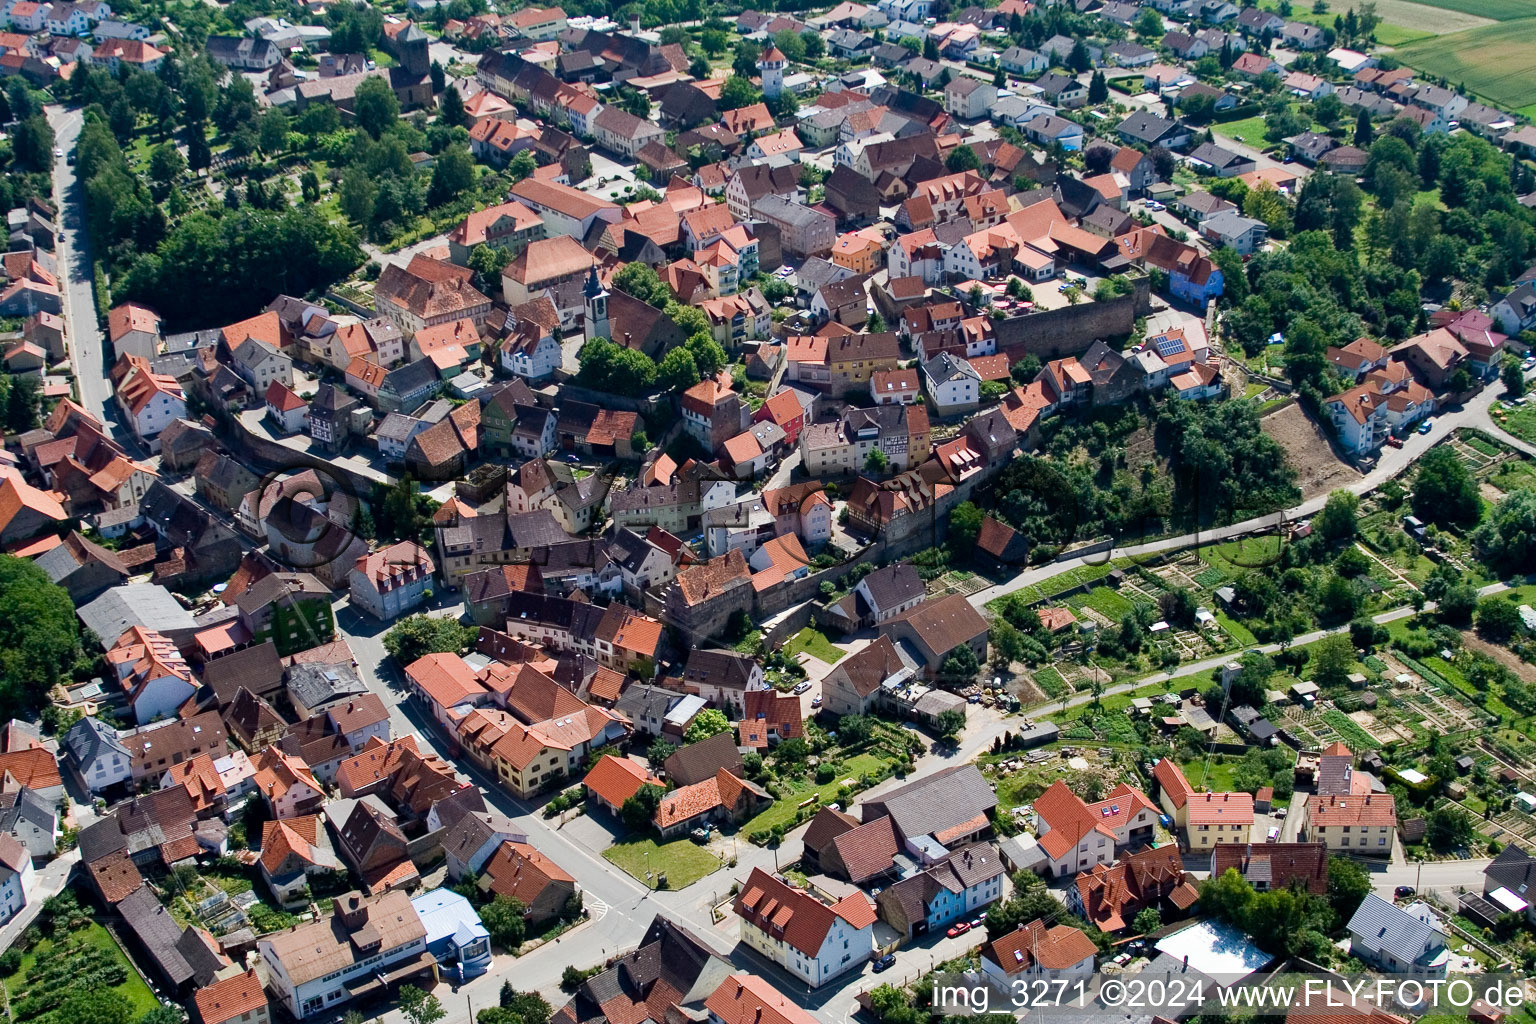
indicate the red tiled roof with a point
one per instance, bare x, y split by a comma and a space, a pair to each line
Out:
616, 779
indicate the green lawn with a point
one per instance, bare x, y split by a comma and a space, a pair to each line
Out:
1396, 35
1239, 632
139, 997
783, 811
1219, 778
1245, 553
1492, 61
1103, 599
683, 861
814, 643
1250, 128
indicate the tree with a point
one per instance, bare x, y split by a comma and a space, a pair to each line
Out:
523, 165
606, 366
640, 810
1444, 491
707, 723
854, 729
930, 48
960, 665
1348, 885
1148, 920
1513, 378
375, 106
1508, 538
737, 92
707, 354
1149, 24
1079, 60
1336, 522
877, 462
453, 174
199, 153
504, 919
658, 752
1365, 132
815, 46
1498, 618
419, 635
949, 723
272, 131
530, 1007
964, 525
962, 158
32, 144
641, 281
38, 637
1332, 660
421, 1007
450, 109
1448, 828
1457, 604
93, 1006
1098, 88
439, 77
166, 163
677, 371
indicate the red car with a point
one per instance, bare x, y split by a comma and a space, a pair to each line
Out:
959, 929
1395, 442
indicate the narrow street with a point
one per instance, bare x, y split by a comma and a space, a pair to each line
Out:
88, 352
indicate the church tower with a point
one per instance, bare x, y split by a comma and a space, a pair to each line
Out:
597, 308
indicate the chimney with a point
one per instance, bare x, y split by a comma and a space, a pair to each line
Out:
634, 23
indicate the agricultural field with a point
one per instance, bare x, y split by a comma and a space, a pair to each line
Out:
1492, 61
1420, 15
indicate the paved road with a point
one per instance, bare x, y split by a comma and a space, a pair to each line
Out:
88, 351
1391, 463
1441, 877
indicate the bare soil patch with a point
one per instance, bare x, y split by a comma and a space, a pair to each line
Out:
1318, 469
1503, 655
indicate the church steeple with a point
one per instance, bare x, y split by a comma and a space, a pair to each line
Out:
597, 307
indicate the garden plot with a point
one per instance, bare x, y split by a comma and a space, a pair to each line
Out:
1382, 732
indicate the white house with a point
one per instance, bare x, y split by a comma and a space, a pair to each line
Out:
15, 877
150, 401
152, 672
392, 580
531, 350
310, 967
286, 408
968, 98
809, 939
1075, 835
1038, 950
97, 754
953, 384
1402, 940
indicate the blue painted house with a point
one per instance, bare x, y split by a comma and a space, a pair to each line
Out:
455, 936
953, 889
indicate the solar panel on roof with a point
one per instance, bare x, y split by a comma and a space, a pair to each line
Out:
1167, 346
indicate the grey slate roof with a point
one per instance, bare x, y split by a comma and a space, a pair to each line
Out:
1514, 869
90, 738
941, 801
134, 604
1411, 935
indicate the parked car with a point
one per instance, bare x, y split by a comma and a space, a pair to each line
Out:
1427, 425
885, 963
1395, 442
1403, 891
958, 928
816, 701
802, 686
1155, 206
